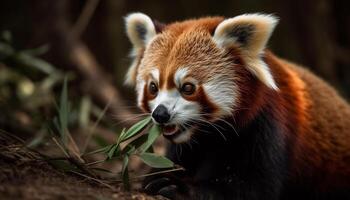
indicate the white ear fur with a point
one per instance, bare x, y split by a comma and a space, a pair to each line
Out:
140, 29
130, 77
250, 33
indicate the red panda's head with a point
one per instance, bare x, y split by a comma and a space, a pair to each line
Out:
187, 73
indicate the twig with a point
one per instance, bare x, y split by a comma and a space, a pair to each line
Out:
81, 166
160, 172
151, 174
73, 160
95, 162
61, 147
7, 134
94, 179
97, 151
74, 149
92, 130
84, 18
56, 158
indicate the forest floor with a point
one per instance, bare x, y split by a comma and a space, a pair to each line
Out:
25, 174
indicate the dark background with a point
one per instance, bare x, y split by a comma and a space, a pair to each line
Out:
44, 41
86, 39
314, 33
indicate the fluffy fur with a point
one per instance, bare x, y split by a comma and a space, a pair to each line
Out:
256, 126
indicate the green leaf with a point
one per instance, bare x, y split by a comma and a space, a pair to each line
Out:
120, 136
38, 139
56, 125
138, 142
136, 128
129, 149
30, 61
84, 111
115, 149
125, 173
153, 134
150, 150
6, 35
6, 50
156, 161
37, 51
101, 150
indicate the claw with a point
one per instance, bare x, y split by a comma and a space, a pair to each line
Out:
168, 191
156, 185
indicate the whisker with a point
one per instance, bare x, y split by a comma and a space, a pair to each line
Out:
214, 126
226, 122
132, 118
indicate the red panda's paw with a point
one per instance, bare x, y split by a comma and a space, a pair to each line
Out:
166, 187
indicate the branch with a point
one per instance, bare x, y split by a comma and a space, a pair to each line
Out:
84, 18
69, 51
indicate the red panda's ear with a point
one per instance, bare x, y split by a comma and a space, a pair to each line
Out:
250, 33
140, 29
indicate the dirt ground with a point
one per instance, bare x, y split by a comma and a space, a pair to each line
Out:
25, 175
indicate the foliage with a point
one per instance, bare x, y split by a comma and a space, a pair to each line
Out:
136, 144
141, 147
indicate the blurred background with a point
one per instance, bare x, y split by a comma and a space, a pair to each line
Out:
42, 41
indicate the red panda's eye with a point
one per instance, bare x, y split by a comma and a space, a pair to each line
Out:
188, 88
153, 89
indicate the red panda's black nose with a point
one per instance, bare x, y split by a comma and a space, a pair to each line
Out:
161, 114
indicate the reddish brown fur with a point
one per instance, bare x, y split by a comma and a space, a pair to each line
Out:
316, 119
168, 54
318, 123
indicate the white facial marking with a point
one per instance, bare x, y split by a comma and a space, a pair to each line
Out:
184, 137
181, 110
167, 98
141, 84
221, 90
155, 75
139, 89
180, 74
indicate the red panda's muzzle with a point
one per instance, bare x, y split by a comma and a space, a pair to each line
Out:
170, 129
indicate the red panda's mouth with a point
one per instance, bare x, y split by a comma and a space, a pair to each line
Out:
169, 130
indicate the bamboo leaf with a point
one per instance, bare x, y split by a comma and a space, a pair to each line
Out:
56, 125
120, 136
136, 128
129, 149
37, 51
125, 173
156, 161
6, 35
153, 134
29, 60
138, 142
115, 149
101, 150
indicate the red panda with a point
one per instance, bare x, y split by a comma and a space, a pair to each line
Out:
244, 123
